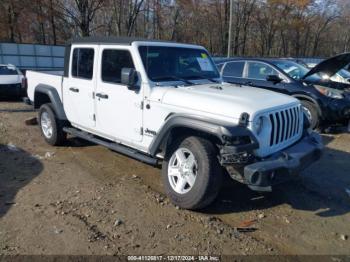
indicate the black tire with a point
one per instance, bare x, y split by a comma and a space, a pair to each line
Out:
209, 174
58, 137
311, 110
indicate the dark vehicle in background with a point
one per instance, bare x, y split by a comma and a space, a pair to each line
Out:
12, 81
325, 102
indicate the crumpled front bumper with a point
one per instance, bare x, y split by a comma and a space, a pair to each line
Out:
284, 165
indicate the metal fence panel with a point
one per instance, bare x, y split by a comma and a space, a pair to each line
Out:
30, 56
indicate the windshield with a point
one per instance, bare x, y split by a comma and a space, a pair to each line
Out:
163, 63
8, 70
295, 70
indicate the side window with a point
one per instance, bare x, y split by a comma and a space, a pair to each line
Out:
112, 63
83, 63
257, 70
234, 69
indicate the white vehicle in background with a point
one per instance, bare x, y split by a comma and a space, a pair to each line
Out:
165, 102
12, 81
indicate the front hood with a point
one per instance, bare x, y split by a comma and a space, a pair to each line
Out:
10, 79
330, 66
225, 99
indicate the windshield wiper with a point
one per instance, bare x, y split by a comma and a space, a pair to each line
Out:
213, 80
204, 78
173, 78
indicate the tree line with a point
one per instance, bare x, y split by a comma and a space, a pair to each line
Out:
283, 28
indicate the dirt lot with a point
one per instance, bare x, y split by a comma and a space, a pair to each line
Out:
85, 199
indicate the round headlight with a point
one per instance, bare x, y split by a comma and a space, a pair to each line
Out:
258, 125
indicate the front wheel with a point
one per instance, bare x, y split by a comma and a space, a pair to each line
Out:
51, 127
311, 113
191, 173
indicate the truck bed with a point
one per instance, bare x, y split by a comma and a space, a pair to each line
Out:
48, 78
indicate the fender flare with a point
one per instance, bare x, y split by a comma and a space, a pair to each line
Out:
223, 131
54, 97
311, 99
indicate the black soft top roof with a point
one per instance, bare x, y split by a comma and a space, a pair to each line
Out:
112, 40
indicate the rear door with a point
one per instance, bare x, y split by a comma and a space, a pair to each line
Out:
118, 109
232, 72
256, 73
79, 87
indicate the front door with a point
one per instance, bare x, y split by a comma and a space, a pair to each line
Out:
79, 87
118, 109
256, 75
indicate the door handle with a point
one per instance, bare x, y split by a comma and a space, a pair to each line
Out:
100, 95
73, 89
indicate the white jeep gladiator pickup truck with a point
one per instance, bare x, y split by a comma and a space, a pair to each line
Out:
161, 101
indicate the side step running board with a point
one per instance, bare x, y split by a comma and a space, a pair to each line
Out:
113, 146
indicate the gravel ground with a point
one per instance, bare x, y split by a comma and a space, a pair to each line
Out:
84, 199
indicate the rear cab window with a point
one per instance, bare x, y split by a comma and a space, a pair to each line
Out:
234, 69
83, 63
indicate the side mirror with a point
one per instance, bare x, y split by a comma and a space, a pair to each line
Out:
274, 78
129, 78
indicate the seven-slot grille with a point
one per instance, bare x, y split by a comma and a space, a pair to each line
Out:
285, 125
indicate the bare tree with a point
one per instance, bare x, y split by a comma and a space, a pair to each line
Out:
80, 13
260, 27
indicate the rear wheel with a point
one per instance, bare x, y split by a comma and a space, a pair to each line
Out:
51, 127
191, 173
311, 113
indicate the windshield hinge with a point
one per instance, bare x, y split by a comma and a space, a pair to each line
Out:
141, 131
142, 104
94, 117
